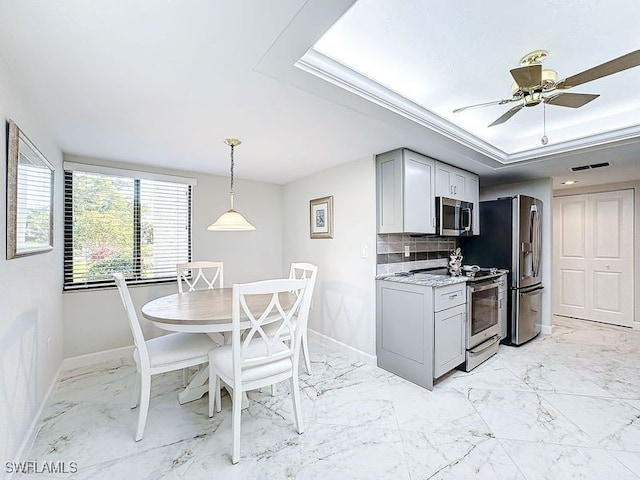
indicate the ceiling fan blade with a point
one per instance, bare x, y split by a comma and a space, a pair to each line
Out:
487, 104
616, 65
527, 76
506, 116
572, 100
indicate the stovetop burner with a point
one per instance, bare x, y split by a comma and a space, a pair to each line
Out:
481, 273
474, 274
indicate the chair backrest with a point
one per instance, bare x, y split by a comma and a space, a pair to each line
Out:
198, 279
305, 270
286, 299
134, 323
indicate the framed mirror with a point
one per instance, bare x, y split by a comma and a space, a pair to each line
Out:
29, 196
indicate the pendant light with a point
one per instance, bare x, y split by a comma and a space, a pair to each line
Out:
231, 221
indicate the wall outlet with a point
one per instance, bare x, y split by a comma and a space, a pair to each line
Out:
407, 251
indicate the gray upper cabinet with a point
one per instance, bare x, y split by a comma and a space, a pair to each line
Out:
450, 182
405, 192
473, 190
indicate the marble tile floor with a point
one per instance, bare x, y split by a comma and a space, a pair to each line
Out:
564, 406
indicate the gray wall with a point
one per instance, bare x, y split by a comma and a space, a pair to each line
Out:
344, 297
30, 300
95, 321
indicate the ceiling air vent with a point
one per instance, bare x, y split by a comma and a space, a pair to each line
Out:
587, 167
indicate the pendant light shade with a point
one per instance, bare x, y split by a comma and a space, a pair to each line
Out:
231, 221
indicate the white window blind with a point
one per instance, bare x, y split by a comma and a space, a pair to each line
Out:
139, 227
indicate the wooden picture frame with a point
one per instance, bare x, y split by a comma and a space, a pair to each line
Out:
30, 180
321, 217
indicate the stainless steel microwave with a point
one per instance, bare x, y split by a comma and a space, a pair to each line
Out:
454, 218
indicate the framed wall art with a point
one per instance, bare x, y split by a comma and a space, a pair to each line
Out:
321, 217
29, 196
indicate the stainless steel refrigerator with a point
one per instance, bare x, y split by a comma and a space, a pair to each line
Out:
511, 238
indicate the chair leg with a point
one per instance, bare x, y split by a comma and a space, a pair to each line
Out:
212, 387
295, 397
235, 423
214, 393
135, 398
145, 396
305, 353
218, 401
274, 389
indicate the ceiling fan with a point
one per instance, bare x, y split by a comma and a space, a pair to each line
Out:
534, 85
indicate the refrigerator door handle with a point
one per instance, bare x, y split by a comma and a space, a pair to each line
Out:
536, 241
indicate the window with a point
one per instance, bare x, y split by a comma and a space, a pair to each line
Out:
121, 221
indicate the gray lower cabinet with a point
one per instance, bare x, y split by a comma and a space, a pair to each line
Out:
449, 331
502, 306
404, 331
415, 341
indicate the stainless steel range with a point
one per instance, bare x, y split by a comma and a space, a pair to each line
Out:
484, 287
483, 315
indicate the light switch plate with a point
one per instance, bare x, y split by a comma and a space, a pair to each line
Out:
407, 251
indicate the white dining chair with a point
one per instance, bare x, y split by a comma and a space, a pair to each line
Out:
301, 270
174, 351
200, 275
257, 359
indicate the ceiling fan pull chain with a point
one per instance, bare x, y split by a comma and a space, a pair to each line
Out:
544, 138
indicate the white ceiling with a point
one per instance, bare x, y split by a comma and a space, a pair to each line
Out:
164, 82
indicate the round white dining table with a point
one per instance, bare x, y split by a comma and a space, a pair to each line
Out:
203, 311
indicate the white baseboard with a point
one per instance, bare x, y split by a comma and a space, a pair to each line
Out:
546, 329
334, 344
32, 431
98, 357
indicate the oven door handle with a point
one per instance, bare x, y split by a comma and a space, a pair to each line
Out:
531, 292
485, 345
481, 288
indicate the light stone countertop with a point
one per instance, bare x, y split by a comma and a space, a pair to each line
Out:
425, 279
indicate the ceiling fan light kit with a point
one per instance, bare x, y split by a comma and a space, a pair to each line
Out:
534, 85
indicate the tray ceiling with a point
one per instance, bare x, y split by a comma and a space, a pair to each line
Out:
425, 59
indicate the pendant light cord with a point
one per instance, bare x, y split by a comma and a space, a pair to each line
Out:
232, 164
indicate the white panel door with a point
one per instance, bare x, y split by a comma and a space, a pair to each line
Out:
593, 256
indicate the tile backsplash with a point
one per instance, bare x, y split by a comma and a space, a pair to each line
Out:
424, 252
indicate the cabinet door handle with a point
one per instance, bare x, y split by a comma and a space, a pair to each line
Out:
452, 296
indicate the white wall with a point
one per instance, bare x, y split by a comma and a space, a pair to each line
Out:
610, 187
542, 189
95, 321
30, 300
344, 297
